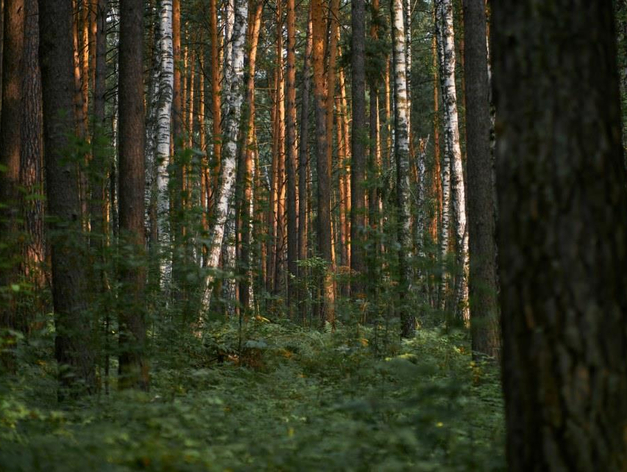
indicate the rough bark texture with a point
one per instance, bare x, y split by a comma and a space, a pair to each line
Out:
10, 145
291, 156
31, 157
482, 281
303, 164
73, 342
323, 165
401, 155
562, 194
133, 365
358, 147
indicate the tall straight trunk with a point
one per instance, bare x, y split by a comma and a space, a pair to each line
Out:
401, 155
73, 343
1, 45
234, 75
483, 284
164, 127
358, 146
291, 156
303, 200
133, 366
31, 153
562, 194
216, 105
319, 33
436, 189
247, 153
10, 149
99, 164
452, 161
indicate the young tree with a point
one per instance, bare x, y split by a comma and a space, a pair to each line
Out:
133, 365
483, 283
562, 195
73, 343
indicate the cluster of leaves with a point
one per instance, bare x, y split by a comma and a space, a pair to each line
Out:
270, 397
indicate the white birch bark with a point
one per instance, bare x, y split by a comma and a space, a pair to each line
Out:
401, 152
452, 159
234, 81
164, 122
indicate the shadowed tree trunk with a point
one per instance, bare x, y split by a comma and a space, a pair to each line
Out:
562, 195
74, 341
133, 365
358, 147
481, 215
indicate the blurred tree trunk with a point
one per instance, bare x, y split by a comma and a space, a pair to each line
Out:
562, 195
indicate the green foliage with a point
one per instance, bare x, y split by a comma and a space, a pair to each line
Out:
271, 396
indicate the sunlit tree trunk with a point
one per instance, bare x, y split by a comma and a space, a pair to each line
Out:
244, 205
452, 170
234, 75
291, 156
164, 125
319, 32
216, 104
303, 159
401, 155
562, 194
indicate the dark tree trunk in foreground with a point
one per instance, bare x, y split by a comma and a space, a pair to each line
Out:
133, 366
481, 215
74, 343
562, 195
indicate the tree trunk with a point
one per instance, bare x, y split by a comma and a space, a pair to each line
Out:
164, 127
10, 149
401, 154
358, 147
562, 194
73, 343
452, 169
483, 283
303, 201
234, 75
291, 155
319, 33
133, 365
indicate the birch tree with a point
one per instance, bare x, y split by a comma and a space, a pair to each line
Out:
164, 124
401, 153
452, 168
234, 80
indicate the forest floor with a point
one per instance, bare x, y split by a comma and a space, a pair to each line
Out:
296, 400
